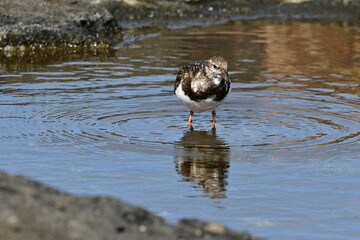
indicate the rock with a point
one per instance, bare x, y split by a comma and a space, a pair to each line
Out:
30, 210
95, 23
42, 23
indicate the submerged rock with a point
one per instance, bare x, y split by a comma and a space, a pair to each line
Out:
30, 210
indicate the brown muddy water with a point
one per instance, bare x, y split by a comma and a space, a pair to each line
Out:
284, 162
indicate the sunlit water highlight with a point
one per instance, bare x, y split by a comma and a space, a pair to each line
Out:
283, 164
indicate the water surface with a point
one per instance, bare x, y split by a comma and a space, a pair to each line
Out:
283, 164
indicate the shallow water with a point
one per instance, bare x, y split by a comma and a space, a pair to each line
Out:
284, 162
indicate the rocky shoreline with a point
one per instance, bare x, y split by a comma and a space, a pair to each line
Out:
99, 24
30, 210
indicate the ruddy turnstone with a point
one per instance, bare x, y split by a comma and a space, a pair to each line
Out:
203, 85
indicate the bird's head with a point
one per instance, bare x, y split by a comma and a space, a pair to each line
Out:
217, 66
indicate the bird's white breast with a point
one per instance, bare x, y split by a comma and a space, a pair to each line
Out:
197, 106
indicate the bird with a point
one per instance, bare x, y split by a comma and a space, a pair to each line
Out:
203, 85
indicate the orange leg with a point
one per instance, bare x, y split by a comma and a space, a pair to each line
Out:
189, 122
213, 119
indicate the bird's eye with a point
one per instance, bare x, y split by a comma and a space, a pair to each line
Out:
214, 66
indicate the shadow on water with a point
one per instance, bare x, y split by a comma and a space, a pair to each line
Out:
203, 157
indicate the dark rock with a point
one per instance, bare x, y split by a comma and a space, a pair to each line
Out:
28, 25
30, 210
55, 23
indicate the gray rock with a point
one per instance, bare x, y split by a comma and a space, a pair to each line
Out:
26, 25
32, 211
55, 23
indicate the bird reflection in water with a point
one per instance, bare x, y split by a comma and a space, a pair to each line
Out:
203, 157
